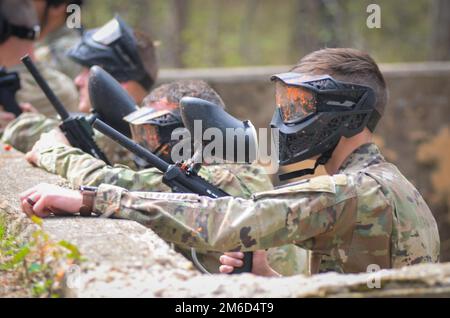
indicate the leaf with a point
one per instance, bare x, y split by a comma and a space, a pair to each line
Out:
75, 252
34, 267
2, 231
36, 220
6, 266
39, 289
20, 255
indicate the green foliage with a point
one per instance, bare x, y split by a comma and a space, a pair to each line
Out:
39, 263
74, 252
261, 32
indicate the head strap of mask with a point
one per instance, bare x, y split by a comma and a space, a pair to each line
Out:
8, 29
333, 110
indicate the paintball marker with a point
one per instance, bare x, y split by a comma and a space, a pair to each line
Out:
76, 128
9, 85
180, 177
113, 116
243, 141
239, 144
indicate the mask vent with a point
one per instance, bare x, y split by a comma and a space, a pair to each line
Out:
299, 141
323, 84
356, 121
167, 119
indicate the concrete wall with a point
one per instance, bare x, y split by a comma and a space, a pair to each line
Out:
414, 133
125, 259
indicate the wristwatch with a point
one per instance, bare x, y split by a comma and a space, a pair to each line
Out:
88, 194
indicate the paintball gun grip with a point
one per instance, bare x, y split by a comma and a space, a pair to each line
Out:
9, 85
62, 112
76, 128
248, 264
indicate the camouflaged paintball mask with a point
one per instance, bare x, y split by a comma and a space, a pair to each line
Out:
114, 48
153, 128
313, 113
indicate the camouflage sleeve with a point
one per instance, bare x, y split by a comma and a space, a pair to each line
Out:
115, 153
80, 168
23, 132
317, 214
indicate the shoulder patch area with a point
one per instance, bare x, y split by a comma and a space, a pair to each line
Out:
317, 184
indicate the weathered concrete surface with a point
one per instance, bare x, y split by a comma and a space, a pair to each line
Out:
117, 246
127, 260
414, 133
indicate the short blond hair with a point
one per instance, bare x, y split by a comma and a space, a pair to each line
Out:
347, 64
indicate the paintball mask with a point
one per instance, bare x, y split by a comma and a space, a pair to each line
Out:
312, 115
114, 48
152, 129
8, 29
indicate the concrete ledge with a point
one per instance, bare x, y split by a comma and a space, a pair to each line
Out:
118, 248
126, 259
263, 73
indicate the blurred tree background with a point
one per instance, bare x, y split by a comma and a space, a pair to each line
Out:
222, 33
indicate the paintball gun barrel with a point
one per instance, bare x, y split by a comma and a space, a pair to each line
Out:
9, 85
176, 176
77, 129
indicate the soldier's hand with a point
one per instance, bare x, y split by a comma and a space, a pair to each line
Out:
261, 267
47, 140
28, 108
44, 199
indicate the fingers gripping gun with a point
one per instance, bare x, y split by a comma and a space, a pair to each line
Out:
9, 85
77, 129
180, 177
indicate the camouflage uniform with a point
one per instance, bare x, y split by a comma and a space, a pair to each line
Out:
367, 213
52, 51
23, 132
238, 180
30, 92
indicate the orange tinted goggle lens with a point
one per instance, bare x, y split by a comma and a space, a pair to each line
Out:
146, 135
294, 102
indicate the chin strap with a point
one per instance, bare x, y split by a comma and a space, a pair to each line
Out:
323, 159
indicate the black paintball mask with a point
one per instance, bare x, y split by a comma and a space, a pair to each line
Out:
114, 48
153, 129
8, 29
313, 113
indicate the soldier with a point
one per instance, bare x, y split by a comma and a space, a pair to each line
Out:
19, 29
56, 37
128, 56
364, 214
160, 107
